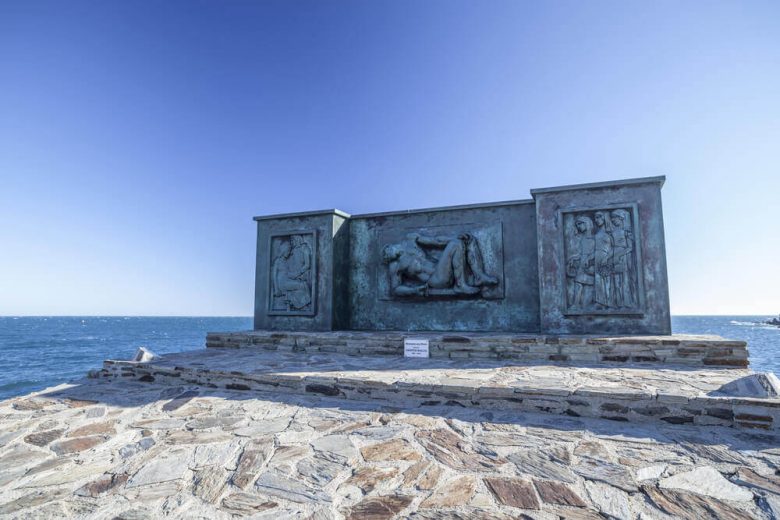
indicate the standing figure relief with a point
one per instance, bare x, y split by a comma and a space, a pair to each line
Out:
441, 266
601, 266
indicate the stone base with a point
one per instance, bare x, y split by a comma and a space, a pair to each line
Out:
636, 393
709, 351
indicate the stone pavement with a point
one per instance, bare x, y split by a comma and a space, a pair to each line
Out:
118, 448
636, 393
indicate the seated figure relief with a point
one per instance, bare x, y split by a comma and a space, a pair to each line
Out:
601, 262
291, 275
442, 266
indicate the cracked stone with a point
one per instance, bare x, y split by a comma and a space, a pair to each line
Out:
540, 464
611, 501
76, 445
396, 449
379, 508
414, 471
274, 484
688, 505
209, 483
601, 471
430, 478
453, 451
319, 471
157, 471
513, 492
558, 494
748, 477
456, 492
100, 428
706, 481
102, 485
336, 446
252, 459
366, 478
43, 438
246, 504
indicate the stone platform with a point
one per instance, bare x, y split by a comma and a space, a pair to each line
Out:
689, 350
641, 393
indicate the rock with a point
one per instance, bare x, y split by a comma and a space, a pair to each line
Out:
159, 424
592, 449
616, 475
513, 492
539, 463
189, 437
318, 470
366, 478
245, 504
379, 508
650, 472
277, 485
100, 428
612, 502
396, 449
456, 492
265, 427
414, 471
79, 403
158, 470
20, 456
28, 405
337, 447
706, 481
207, 423
558, 494
31, 500
209, 483
453, 451
76, 445
179, 401
95, 412
748, 477
286, 457
222, 454
252, 459
430, 478
688, 505
43, 438
137, 447
468, 513
102, 485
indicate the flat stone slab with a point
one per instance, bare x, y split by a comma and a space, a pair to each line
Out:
634, 393
335, 459
694, 350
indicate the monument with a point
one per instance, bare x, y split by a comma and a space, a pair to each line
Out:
583, 259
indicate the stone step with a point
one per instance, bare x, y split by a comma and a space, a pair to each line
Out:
632, 393
709, 351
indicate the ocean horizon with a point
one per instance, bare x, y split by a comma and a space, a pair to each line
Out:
37, 352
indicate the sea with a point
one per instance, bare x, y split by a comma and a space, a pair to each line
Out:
39, 352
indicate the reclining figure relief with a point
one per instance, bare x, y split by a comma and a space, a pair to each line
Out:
423, 266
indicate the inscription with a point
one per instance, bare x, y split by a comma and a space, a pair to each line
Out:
293, 274
602, 261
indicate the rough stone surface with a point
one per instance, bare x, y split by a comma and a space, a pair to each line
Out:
513, 492
706, 481
436, 462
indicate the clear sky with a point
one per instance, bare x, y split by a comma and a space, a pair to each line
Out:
138, 138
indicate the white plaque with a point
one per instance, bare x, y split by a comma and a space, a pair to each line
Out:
415, 347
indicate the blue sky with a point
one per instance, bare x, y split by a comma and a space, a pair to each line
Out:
137, 139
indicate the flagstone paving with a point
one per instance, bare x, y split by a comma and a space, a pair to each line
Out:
113, 448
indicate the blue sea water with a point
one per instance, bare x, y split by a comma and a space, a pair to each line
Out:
37, 352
